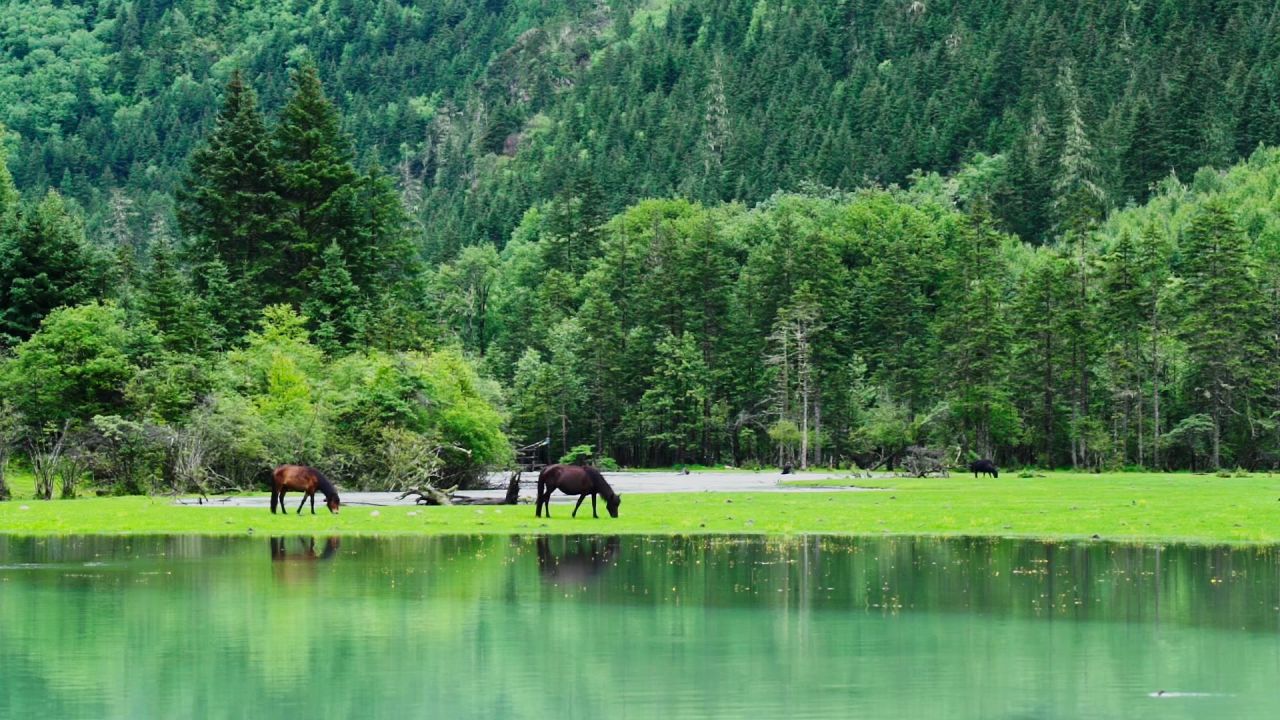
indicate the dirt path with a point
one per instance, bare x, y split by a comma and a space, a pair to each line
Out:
623, 482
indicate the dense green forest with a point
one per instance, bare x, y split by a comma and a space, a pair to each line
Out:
391, 238
483, 109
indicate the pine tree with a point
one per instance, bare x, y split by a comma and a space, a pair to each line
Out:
1220, 327
316, 178
1079, 199
1039, 351
168, 301
975, 333
9, 198
1127, 298
44, 264
334, 303
228, 206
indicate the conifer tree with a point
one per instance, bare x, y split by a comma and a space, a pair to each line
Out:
168, 301
333, 303
45, 263
228, 206
975, 331
316, 178
1221, 325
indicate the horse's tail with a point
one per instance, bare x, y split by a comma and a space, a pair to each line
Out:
541, 499
542, 480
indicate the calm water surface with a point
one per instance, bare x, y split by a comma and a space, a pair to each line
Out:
635, 627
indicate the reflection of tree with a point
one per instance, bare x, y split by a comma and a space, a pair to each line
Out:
451, 612
582, 560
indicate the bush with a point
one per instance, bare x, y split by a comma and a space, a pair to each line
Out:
578, 455
124, 456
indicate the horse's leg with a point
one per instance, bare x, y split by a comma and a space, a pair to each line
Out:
273, 501
575, 507
313, 503
304, 502
593, 506
546, 501
283, 510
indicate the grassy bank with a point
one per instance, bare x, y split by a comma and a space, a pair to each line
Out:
1199, 509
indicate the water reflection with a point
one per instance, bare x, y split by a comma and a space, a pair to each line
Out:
579, 561
291, 566
698, 627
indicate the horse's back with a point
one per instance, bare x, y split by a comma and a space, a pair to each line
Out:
569, 479
293, 477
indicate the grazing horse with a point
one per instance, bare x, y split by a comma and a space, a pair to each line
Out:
984, 466
305, 479
575, 480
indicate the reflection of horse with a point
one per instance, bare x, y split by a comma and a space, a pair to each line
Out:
289, 567
580, 565
305, 479
279, 553
575, 480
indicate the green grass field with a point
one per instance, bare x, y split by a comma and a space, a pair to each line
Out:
1133, 507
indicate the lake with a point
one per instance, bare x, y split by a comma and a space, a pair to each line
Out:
635, 627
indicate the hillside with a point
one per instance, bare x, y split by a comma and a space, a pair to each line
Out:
485, 109
392, 239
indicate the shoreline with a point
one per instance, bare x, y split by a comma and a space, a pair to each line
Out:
1147, 509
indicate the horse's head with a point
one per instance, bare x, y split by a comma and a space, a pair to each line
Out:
333, 503
612, 505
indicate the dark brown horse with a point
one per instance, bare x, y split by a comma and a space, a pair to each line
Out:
575, 480
305, 479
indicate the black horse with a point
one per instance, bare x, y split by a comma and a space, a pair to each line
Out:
575, 480
984, 466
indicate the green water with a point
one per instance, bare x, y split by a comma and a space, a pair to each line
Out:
635, 627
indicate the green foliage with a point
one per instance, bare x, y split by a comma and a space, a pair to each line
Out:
45, 263
755, 305
579, 455
76, 366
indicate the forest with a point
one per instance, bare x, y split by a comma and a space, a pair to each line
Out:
394, 238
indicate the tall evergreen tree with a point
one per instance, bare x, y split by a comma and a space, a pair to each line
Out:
332, 303
316, 178
229, 207
168, 301
44, 264
1221, 322
975, 331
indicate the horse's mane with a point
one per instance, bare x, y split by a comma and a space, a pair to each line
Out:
598, 478
324, 486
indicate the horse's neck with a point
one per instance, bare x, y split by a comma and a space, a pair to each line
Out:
604, 488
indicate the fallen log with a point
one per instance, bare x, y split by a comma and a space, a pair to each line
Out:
429, 494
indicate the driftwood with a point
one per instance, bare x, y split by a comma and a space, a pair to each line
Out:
923, 461
428, 494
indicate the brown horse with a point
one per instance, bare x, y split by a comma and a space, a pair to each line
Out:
575, 480
306, 480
